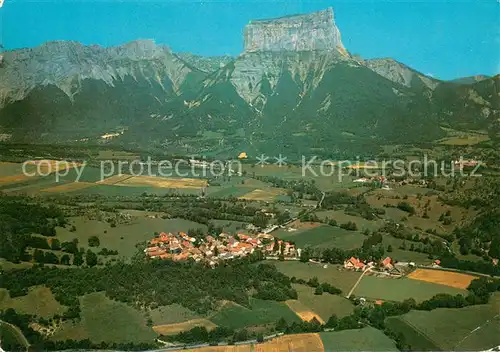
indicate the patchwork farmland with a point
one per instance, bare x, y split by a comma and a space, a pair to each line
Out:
469, 328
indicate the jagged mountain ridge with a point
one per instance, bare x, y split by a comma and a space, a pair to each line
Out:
64, 91
66, 64
400, 73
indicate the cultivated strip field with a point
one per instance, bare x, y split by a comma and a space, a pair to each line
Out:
163, 182
114, 179
302, 311
68, 187
12, 179
172, 329
264, 195
287, 343
442, 277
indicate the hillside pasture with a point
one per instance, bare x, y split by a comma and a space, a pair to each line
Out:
366, 339
171, 314
468, 328
103, 319
341, 217
39, 302
260, 312
325, 236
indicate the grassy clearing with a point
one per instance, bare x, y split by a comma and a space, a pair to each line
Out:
116, 155
343, 218
261, 312
366, 339
387, 289
403, 255
107, 320
174, 313
172, 329
333, 274
469, 328
39, 301
324, 305
123, 237
325, 236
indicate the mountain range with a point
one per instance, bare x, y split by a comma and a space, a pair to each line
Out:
294, 88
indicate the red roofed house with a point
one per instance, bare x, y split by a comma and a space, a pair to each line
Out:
164, 237
243, 237
387, 263
354, 263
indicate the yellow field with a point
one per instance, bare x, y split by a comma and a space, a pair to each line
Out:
12, 179
172, 329
365, 166
264, 195
68, 187
114, 179
163, 182
447, 278
286, 343
302, 311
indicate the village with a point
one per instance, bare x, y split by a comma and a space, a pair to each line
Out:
213, 250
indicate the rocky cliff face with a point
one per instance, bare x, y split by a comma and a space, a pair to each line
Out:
67, 65
315, 31
400, 73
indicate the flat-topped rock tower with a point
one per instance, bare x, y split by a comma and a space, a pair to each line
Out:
314, 31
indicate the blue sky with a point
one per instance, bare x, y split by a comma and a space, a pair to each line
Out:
447, 39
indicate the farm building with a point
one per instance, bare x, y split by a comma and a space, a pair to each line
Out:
354, 264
